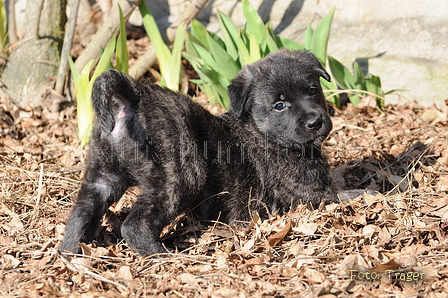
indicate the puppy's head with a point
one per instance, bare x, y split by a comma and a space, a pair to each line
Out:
283, 96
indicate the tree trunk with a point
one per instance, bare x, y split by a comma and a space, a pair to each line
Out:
34, 62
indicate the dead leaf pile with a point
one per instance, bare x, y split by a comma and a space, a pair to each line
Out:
392, 243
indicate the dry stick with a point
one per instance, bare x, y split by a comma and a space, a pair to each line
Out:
32, 30
68, 38
12, 31
144, 62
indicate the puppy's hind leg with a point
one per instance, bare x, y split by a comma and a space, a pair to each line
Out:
144, 224
106, 177
102, 186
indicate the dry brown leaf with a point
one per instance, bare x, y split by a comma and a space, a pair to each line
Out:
248, 245
353, 262
188, 278
369, 230
443, 183
381, 268
314, 276
253, 261
384, 236
275, 239
428, 273
15, 221
306, 229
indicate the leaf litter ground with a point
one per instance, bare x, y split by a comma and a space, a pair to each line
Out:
390, 244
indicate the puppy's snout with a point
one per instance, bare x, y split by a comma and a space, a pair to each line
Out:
314, 123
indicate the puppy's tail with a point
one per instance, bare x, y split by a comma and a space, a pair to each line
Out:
114, 95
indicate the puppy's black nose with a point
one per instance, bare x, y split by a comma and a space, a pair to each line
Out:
314, 123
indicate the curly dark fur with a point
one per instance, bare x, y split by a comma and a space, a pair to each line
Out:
263, 153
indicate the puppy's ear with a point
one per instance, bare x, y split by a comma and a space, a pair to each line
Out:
311, 58
323, 73
239, 91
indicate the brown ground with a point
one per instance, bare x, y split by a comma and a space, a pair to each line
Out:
393, 244
401, 151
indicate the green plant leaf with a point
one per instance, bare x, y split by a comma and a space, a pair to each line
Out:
217, 39
254, 49
358, 75
354, 99
290, 44
271, 44
243, 49
75, 73
104, 63
219, 91
230, 34
396, 90
373, 84
189, 45
341, 74
320, 38
162, 51
122, 55
308, 39
172, 76
206, 56
227, 67
3, 26
84, 108
331, 86
254, 23
200, 33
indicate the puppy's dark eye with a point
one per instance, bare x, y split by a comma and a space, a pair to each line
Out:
312, 91
279, 106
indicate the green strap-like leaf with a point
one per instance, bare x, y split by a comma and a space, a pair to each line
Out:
358, 74
172, 76
206, 56
254, 49
307, 42
271, 44
320, 38
122, 54
243, 49
104, 62
255, 24
341, 74
199, 32
230, 34
227, 67
290, 44
162, 51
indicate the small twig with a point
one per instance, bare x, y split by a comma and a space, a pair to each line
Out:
39, 188
12, 32
68, 38
39, 4
352, 91
39, 193
81, 268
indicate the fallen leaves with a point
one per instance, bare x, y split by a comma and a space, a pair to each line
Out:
373, 245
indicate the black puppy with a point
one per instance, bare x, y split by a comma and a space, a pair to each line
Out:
264, 154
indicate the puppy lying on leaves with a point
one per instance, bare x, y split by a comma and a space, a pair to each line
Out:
264, 154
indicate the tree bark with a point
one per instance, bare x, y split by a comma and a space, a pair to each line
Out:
34, 61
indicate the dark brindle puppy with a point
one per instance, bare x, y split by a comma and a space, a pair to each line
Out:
264, 154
